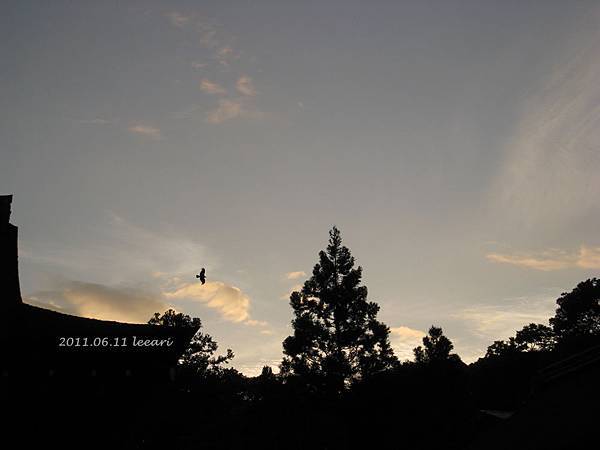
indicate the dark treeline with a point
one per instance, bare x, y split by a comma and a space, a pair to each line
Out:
340, 385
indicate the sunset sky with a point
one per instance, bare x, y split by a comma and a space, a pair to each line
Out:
456, 144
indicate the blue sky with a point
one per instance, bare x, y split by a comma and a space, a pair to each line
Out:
454, 143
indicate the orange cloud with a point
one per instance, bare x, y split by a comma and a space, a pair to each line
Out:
586, 258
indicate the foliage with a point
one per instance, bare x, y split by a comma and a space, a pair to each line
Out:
337, 338
577, 318
437, 348
535, 337
578, 312
531, 338
199, 358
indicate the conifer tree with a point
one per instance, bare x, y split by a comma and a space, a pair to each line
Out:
337, 338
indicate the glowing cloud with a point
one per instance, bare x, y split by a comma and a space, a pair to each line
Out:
230, 301
404, 340
98, 301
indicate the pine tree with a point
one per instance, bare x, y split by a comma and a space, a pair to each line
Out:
337, 338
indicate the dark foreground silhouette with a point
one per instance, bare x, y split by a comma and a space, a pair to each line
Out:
340, 386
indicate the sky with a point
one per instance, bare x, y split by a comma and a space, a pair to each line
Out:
454, 143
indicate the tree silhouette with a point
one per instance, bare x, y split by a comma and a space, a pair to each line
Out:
534, 337
198, 359
337, 338
502, 348
578, 313
531, 338
437, 348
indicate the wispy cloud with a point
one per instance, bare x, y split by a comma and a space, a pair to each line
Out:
589, 258
96, 121
544, 263
256, 323
245, 86
295, 275
211, 88
227, 110
178, 19
145, 130
586, 258
267, 332
492, 322
221, 54
551, 173
226, 54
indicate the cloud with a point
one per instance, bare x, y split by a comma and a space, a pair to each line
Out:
97, 121
229, 301
550, 177
226, 54
145, 130
177, 19
256, 323
493, 322
407, 333
211, 88
404, 340
586, 258
267, 332
589, 258
295, 275
208, 38
159, 263
227, 110
245, 86
99, 301
117, 251
548, 263
126, 304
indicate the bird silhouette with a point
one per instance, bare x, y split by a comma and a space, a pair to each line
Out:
202, 276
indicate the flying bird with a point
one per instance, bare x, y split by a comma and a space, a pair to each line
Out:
202, 276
